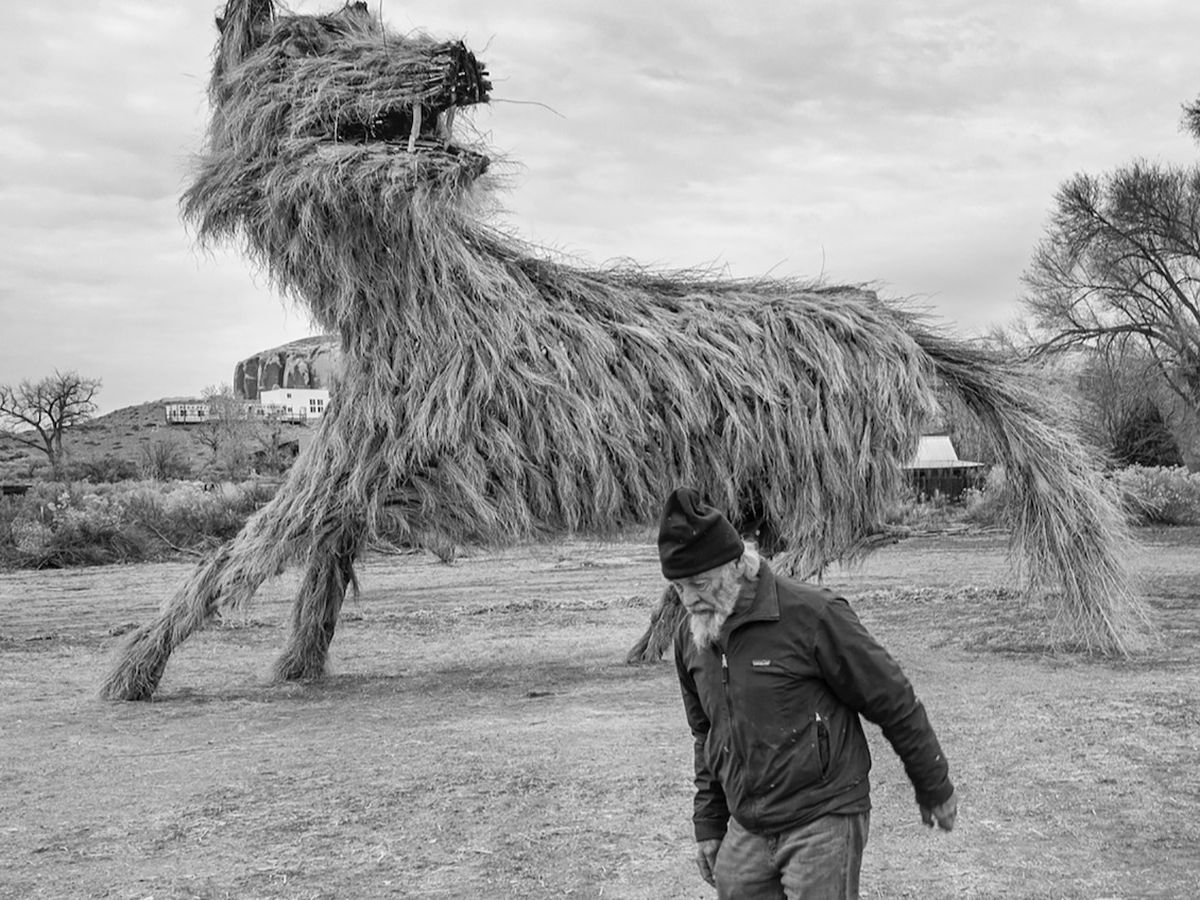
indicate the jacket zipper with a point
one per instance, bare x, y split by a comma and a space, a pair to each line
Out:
725, 686
728, 702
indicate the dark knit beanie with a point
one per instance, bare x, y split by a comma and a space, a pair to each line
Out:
694, 537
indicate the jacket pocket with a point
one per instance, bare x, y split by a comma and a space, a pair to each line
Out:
823, 744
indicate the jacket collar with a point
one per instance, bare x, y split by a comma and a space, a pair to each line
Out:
764, 607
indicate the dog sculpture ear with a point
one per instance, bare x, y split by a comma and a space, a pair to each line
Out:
243, 27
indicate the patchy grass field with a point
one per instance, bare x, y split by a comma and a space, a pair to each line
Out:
481, 738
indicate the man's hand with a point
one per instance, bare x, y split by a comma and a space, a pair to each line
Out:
706, 859
944, 813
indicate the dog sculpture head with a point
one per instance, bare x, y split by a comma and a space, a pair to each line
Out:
326, 125
337, 91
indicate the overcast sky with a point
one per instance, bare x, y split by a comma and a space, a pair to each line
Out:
915, 144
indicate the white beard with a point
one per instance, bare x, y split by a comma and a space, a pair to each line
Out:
706, 628
706, 622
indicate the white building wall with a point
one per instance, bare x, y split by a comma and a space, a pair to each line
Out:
294, 403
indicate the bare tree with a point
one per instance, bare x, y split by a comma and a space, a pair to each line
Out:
1119, 270
38, 413
272, 456
227, 432
164, 460
1191, 118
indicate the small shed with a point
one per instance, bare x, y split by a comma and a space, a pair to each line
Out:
936, 470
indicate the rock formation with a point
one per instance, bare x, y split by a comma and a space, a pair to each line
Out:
306, 363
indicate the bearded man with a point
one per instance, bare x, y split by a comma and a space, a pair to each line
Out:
775, 675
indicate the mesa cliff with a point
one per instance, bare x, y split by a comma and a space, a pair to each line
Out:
307, 363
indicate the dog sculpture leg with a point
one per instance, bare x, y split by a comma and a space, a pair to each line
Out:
315, 612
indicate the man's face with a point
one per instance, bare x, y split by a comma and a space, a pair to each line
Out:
709, 597
701, 593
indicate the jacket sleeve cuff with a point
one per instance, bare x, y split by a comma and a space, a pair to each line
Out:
936, 797
710, 829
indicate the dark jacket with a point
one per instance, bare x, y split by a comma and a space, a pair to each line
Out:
774, 711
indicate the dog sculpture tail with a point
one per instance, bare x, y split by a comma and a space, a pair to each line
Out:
1065, 520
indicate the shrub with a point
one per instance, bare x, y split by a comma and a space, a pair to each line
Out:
1161, 495
1144, 439
185, 515
983, 506
105, 470
164, 460
57, 525
987, 505
910, 511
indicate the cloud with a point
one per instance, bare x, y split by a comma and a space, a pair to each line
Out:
913, 143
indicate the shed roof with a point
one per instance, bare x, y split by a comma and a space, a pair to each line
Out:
936, 451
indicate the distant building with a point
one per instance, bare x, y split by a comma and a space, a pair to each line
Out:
293, 404
186, 411
193, 411
936, 469
284, 404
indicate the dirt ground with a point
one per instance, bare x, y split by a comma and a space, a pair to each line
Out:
480, 737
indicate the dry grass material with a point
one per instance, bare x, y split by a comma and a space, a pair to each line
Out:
491, 394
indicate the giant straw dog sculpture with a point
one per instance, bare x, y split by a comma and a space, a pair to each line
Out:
490, 393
